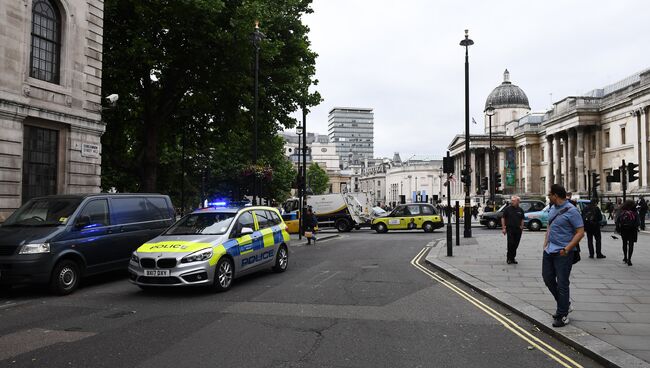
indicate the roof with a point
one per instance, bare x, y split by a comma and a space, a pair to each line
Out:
621, 84
507, 95
86, 195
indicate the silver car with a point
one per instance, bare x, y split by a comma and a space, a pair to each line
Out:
212, 247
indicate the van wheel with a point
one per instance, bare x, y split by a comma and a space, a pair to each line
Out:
342, 225
381, 228
65, 277
281, 260
223, 275
428, 227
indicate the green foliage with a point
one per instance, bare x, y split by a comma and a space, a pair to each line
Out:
184, 73
317, 179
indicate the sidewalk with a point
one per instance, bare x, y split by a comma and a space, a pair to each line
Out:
611, 318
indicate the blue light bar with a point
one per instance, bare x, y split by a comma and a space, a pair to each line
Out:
218, 204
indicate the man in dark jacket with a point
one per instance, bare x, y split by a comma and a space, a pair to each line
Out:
512, 224
310, 223
643, 211
591, 217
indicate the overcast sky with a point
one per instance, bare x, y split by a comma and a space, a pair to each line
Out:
402, 58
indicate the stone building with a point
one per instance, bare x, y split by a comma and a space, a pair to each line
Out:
50, 99
579, 136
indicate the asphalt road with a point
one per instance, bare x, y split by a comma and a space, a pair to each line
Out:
352, 301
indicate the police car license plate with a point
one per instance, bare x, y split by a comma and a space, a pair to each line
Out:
156, 273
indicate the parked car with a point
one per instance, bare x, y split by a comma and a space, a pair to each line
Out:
535, 221
57, 240
493, 219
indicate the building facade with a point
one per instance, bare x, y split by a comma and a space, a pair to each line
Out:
50, 99
579, 136
351, 129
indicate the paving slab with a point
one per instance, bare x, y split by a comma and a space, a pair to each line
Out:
611, 318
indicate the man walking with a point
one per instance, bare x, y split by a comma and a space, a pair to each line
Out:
564, 232
512, 224
643, 211
591, 216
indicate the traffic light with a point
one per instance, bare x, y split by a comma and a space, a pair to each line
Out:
632, 172
484, 183
465, 177
448, 165
615, 177
595, 180
497, 181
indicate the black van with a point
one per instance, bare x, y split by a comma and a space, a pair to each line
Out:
58, 239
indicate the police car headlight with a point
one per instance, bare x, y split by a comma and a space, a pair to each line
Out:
135, 258
35, 248
201, 255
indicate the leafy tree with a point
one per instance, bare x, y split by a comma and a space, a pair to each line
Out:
184, 73
317, 179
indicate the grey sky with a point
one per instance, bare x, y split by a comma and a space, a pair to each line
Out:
403, 59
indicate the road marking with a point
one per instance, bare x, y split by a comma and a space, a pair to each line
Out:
533, 340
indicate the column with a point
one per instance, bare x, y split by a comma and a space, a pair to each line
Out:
565, 164
568, 159
549, 162
644, 178
580, 159
557, 160
528, 168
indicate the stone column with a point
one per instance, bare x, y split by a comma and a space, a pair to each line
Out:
528, 169
557, 160
549, 162
565, 164
580, 160
644, 178
474, 166
569, 158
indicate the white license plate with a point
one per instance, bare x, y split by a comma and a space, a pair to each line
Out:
156, 273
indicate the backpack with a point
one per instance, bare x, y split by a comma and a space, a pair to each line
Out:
627, 220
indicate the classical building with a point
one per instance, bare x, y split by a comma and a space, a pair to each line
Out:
579, 136
351, 130
50, 99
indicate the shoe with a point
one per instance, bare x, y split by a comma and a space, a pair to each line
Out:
570, 310
509, 261
601, 256
624, 260
561, 321
629, 263
592, 256
514, 261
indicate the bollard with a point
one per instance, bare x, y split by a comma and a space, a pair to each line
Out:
457, 209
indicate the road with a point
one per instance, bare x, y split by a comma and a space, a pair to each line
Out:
359, 300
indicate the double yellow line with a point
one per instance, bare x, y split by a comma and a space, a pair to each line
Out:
531, 339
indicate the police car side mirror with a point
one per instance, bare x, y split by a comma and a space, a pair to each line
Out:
246, 231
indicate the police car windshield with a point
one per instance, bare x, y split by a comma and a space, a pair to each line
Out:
208, 223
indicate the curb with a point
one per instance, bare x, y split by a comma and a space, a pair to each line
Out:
321, 237
601, 351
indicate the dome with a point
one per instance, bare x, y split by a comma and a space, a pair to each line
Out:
507, 95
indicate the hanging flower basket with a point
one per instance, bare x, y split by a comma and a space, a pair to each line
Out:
259, 171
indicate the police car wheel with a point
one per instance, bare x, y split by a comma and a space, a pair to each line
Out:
65, 277
381, 228
428, 227
223, 276
281, 260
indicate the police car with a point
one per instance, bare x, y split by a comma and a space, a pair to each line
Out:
213, 247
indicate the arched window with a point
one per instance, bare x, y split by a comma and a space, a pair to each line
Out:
46, 41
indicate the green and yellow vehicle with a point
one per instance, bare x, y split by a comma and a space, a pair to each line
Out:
409, 217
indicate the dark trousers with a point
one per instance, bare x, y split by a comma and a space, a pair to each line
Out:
556, 270
514, 236
642, 220
628, 248
593, 232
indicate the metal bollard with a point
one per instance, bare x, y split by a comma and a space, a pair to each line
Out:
457, 209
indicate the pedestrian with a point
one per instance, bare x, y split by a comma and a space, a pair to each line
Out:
643, 211
512, 225
564, 232
310, 223
475, 212
591, 217
627, 224
610, 209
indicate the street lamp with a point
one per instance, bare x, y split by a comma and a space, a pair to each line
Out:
299, 131
489, 111
257, 39
467, 42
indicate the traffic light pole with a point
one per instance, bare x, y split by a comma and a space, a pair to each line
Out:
624, 180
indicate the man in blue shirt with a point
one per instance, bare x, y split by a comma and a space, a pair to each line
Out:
564, 232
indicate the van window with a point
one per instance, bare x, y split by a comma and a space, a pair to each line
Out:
44, 212
263, 219
130, 209
157, 208
96, 213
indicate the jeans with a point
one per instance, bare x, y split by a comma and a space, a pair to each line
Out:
555, 271
593, 232
514, 236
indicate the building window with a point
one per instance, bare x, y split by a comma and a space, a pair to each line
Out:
40, 153
608, 185
543, 155
593, 143
623, 135
46, 38
606, 138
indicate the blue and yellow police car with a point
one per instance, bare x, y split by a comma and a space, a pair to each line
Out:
212, 247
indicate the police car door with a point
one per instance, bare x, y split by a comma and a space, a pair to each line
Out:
247, 253
265, 239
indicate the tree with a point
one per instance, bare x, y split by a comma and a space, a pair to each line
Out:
317, 179
184, 73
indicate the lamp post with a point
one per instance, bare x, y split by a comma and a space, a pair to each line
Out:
299, 131
467, 42
489, 111
257, 39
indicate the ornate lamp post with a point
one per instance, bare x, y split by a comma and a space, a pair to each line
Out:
299, 131
467, 42
257, 39
489, 111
